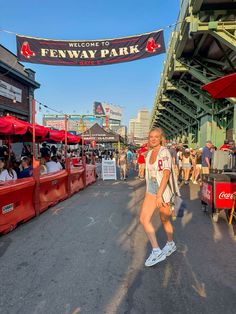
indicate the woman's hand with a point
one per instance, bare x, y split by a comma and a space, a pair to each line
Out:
159, 201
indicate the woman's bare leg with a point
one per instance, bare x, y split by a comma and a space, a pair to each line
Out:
165, 213
147, 210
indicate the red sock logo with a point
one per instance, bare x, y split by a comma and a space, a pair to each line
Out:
26, 51
151, 46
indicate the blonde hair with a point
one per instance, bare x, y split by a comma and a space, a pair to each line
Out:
163, 137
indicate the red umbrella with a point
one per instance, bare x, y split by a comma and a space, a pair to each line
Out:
40, 131
55, 135
6, 127
223, 87
20, 127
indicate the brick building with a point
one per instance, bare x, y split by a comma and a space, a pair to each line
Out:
17, 86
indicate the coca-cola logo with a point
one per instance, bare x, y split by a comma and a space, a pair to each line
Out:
225, 196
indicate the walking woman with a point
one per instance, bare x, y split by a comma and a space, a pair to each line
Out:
158, 196
186, 164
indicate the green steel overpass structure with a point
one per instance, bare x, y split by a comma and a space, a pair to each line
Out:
202, 48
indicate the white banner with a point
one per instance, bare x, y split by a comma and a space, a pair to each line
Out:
10, 91
109, 169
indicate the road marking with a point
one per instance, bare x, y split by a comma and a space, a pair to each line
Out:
92, 222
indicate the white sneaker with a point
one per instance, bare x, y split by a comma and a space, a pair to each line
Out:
169, 248
195, 182
155, 258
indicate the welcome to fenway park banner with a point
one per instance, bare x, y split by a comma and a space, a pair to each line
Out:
89, 52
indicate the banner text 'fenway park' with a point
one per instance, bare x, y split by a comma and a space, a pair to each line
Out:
89, 52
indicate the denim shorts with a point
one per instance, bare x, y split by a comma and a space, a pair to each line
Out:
152, 186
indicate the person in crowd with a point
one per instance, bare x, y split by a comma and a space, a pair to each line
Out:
26, 169
179, 161
225, 146
193, 159
53, 150
122, 164
186, 164
43, 168
135, 156
173, 153
53, 165
26, 151
3, 151
141, 165
129, 155
206, 158
7, 173
158, 195
198, 164
61, 161
45, 151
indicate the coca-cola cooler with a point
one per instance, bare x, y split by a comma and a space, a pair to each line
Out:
217, 193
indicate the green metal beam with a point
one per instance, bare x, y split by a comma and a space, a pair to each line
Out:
176, 115
182, 108
222, 30
193, 99
170, 126
166, 127
170, 120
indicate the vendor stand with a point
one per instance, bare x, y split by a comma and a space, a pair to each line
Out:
219, 187
217, 193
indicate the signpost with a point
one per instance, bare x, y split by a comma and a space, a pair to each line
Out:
109, 170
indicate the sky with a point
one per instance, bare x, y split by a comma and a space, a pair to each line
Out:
131, 85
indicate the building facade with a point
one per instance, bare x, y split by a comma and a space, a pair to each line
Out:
139, 128
17, 86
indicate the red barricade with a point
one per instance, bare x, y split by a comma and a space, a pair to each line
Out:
52, 189
90, 174
16, 203
76, 180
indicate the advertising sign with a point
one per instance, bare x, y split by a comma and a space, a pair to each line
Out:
10, 91
109, 169
89, 52
224, 194
206, 193
109, 110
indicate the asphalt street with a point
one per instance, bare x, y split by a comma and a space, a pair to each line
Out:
86, 255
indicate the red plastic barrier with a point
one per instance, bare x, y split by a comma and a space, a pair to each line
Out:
16, 203
76, 180
52, 189
90, 174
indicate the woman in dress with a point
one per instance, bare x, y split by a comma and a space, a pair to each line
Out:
158, 196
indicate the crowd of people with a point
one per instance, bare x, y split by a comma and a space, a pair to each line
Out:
190, 164
12, 168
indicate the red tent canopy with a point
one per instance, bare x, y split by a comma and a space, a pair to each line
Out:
71, 138
18, 127
224, 87
40, 131
5, 127
10, 125
55, 135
